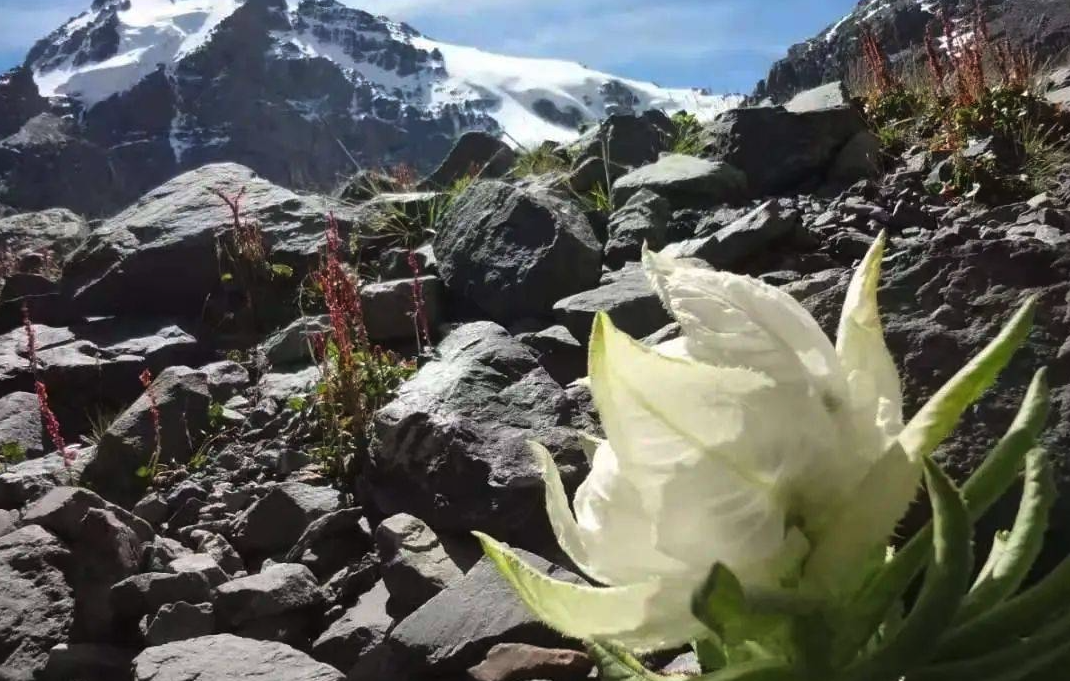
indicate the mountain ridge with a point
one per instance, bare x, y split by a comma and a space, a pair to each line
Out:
300, 91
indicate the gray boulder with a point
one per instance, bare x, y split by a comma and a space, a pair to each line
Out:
514, 252
827, 96
274, 523
38, 607
178, 622
452, 448
559, 352
293, 344
625, 141
643, 219
224, 657
477, 153
625, 296
414, 564
454, 630
160, 253
99, 360
744, 238
144, 594
389, 308
332, 542
779, 150
181, 398
58, 231
20, 424
361, 628
684, 181
280, 589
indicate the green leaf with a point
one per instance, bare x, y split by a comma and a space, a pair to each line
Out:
226, 277
1012, 558
616, 664
946, 581
935, 421
990, 482
1015, 660
720, 603
280, 270
1019, 616
638, 615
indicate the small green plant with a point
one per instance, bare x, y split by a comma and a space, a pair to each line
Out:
100, 420
540, 160
688, 136
243, 258
1046, 153
11, 453
151, 470
357, 377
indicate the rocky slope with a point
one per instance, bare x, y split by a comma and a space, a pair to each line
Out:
132, 92
252, 555
1043, 25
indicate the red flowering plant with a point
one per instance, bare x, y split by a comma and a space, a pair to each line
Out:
48, 417
152, 469
357, 377
244, 258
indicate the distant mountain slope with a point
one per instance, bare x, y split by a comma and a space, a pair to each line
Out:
298, 90
900, 24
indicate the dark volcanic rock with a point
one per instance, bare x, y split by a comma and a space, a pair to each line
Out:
19, 100
281, 589
477, 154
160, 253
274, 523
360, 629
332, 542
519, 662
626, 141
390, 307
180, 397
58, 231
224, 657
48, 163
514, 252
625, 296
38, 609
20, 424
1042, 27
414, 564
455, 630
943, 298
684, 181
643, 219
452, 447
778, 150
743, 239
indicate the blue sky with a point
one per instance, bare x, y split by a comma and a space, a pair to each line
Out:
726, 45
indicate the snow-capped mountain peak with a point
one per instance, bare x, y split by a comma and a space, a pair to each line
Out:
111, 48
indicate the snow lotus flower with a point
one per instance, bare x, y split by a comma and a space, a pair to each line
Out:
752, 462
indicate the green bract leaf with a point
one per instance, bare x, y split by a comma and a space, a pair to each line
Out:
281, 270
935, 421
946, 581
1017, 660
616, 664
640, 616
1019, 616
1012, 558
991, 480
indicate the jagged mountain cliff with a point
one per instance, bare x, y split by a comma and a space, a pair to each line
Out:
301, 91
900, 24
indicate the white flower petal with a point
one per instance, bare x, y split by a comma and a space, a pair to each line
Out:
873, 381
861, 527
650, 616
732, 320
617, 524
